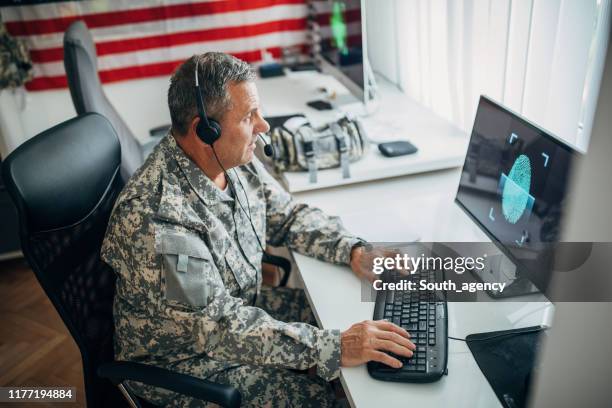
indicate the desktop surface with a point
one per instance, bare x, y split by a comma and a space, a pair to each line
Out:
440, 144
424, 205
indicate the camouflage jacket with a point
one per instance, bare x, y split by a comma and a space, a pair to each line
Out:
185, 285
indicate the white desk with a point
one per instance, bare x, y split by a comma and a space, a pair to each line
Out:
441, 145
399, 209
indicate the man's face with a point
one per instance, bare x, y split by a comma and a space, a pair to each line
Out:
240, 125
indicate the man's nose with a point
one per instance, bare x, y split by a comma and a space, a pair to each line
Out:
262, 126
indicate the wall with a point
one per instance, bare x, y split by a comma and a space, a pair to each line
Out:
569, 377
141, 103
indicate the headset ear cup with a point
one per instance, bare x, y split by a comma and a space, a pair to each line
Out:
210, 133
201, 130
215, 129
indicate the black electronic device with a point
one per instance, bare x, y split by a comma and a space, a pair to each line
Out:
424, 315
208, 130
320, 105
271, 70
338, 37
506, 358
513, 186
399, 148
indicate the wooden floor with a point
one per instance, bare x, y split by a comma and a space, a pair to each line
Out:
35, 346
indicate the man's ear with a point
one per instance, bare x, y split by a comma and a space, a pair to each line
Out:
193, 125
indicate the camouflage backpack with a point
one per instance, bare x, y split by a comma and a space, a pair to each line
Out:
15, 62
300, 147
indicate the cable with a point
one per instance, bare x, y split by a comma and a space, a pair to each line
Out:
248, 215
235, 192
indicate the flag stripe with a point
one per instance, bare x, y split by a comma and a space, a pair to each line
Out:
135, 39
177, 25
113, 18
170, 40
158, 55
140, 71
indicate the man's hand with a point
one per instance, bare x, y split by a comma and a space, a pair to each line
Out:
361, 263
367, 340
362, 260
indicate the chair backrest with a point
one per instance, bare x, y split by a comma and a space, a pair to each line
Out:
64, 183
81, 64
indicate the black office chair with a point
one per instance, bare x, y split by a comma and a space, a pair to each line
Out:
81, 64
64, 183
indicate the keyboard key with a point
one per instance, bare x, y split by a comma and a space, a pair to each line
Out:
411, 327
420, 367
422, 326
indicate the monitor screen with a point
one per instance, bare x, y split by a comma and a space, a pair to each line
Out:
338, 41
513, 185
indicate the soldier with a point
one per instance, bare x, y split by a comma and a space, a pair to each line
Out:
186, 240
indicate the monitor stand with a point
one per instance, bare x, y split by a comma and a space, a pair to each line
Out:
500, 268
347, 103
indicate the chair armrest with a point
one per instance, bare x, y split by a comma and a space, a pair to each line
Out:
281, 262
119, 371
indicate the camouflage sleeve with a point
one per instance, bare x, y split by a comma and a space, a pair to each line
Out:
157, 322
303, 228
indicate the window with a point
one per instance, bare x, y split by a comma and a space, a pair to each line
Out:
541, 58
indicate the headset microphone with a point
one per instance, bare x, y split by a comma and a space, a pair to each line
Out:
268, 148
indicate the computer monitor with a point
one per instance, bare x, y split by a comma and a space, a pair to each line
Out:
513, 185
339, 42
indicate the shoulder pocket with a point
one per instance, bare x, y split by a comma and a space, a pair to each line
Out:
189, 275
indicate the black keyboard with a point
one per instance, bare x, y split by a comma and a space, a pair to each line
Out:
424, 315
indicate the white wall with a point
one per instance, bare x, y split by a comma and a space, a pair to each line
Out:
141, 103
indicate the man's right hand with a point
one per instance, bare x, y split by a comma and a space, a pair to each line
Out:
368, 341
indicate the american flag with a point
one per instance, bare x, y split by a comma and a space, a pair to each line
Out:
144, 38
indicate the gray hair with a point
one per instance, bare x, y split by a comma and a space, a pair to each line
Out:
215, 71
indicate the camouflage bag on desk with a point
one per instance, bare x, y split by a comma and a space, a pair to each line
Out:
300, 147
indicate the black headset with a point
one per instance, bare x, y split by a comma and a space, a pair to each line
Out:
208, 130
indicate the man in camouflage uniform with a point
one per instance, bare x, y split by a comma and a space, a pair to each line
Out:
182, 242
